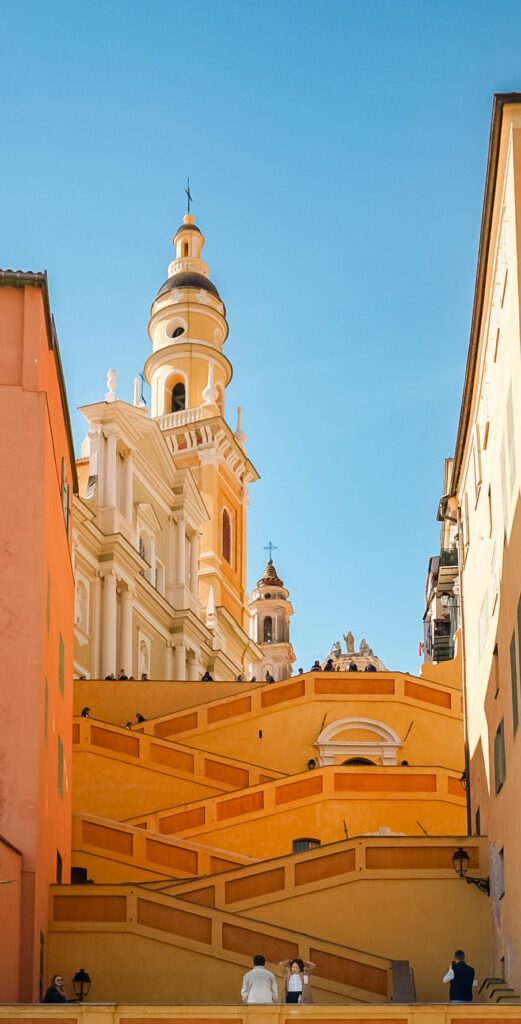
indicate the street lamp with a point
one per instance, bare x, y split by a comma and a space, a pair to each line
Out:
461, 863
81, 983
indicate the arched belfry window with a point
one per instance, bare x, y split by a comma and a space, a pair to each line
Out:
227, 536
185, 249
178, 397
268, 630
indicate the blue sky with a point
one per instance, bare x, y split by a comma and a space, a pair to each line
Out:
337, 154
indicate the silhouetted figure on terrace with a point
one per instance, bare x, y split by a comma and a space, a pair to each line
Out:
140, 717
207, 678
316, 667
85, 713
269, 678
122, 675
370, 668
328, 667
352, 667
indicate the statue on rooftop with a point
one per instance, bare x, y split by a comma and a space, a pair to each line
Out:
350, 642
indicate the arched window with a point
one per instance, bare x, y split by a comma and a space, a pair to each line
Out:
185, 248
227, 536
268, 629
178, 397
358, 760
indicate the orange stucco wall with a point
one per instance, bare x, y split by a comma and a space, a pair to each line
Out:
11, 918
37, 596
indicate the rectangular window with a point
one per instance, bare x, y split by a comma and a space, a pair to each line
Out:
48, 608
466, 525
483, 624
495, 671
66, 496
500, 764
504, 490
46, 712
476, 461
59, 867
61, 664
501, 874
511, 440
60, 766
513, 680
478, 822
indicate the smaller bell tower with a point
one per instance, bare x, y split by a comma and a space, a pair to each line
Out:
271, 611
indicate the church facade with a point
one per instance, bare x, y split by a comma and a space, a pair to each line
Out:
159, 540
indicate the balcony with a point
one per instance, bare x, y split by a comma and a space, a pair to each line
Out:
449, 556
180, 419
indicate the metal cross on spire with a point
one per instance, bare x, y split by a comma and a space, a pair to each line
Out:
270, 547
188, 193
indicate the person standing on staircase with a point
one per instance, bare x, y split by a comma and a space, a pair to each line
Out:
259, 985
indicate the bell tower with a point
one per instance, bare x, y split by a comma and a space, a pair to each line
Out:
188, 373
271, 611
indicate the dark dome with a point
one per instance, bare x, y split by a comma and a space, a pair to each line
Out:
188, 279
188, 227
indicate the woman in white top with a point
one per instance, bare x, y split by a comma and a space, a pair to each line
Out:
297, 988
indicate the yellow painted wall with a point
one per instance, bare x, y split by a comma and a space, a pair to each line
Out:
290, 716
116, 701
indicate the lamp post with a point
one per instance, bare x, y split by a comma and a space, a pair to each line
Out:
460, 863
81, 983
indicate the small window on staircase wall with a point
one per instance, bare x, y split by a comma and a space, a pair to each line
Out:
305, 843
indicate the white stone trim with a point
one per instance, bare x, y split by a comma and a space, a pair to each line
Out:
384, 750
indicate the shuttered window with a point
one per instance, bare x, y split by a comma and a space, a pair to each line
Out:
513, 680
500, 765
60, 766
61, 664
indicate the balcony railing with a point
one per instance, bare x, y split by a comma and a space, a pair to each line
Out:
449, 556
181, 418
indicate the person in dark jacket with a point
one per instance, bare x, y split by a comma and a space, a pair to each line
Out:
460, 978
56, 992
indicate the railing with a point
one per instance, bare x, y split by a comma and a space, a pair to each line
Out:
449, 556
442, 648
180, 419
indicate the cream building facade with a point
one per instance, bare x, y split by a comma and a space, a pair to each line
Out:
483, 505
160, 523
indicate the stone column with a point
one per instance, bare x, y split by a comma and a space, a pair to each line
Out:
111, 467
95, 668
108, 652
171, 560
180, 661
194, 565
169, 660
193, 667
129, 486
125, 659
181, 551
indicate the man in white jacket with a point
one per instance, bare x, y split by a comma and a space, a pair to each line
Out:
259, 985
